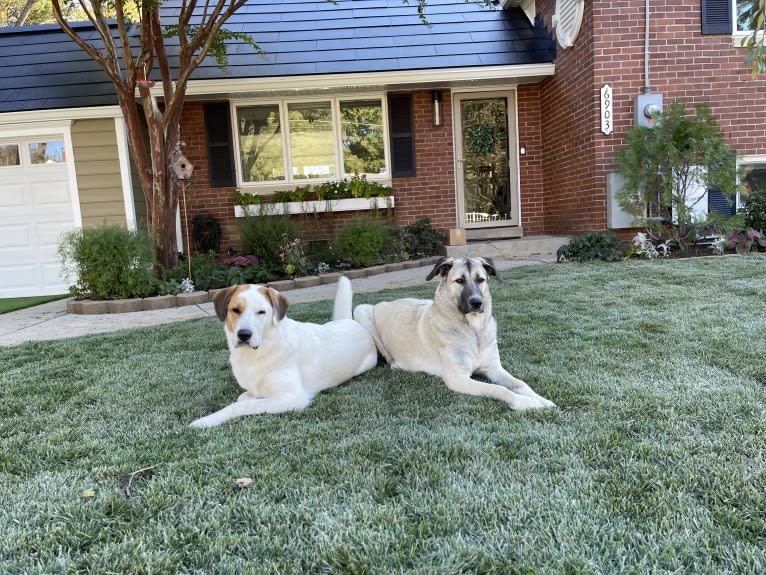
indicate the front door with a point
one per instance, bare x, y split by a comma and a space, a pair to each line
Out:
487, 185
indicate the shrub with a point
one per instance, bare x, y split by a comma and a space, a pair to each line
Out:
421, 239
108, 262
745, 241
245, 270
754, 210
592, 246
262, 236
207, 272
665, 164
367, 241
294, 261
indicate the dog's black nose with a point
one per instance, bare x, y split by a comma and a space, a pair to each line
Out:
244, 335
475, 302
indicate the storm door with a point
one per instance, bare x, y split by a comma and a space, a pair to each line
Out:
487, 172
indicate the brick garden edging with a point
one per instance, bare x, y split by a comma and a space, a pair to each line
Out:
89, 307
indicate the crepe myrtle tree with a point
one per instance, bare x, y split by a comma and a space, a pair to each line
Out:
754, 13
132, 43
667, 165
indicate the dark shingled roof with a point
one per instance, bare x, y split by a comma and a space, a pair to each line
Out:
43, 69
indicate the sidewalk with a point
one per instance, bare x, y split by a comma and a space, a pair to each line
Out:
51, 321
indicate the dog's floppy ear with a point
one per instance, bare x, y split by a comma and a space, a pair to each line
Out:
442, 267
278, 303
221, 301
489, 265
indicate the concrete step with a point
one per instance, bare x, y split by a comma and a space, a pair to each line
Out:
527, 247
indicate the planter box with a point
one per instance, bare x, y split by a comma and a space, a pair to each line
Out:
316, 206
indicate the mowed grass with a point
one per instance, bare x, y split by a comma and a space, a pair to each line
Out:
654, 461
17, 303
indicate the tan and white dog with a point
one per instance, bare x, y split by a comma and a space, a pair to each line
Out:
280, 363
452, 336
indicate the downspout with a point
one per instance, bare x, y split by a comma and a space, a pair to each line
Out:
647, 88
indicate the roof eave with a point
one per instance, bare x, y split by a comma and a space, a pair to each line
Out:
390, 80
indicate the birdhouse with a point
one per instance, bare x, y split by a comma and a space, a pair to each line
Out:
183, 168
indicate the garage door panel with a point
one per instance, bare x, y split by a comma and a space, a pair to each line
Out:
14, 237
49, 193
20, 276
12, 194
49, 235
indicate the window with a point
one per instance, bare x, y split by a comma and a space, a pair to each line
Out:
51, 152
753, 177
9, 155
260, 144
311, 141
362, 137
293, 141
743, 10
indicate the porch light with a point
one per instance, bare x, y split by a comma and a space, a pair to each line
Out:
436, 107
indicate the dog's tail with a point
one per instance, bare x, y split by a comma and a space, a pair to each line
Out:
343, 299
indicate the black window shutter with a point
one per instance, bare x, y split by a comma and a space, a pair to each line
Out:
218, 134
716, 17
402, 136
717, 203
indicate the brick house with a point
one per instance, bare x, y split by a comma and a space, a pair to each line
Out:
488, 121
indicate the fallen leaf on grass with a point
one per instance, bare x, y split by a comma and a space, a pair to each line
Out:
244, 482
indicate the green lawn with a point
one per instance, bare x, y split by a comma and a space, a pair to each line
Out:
654, 462
17, 303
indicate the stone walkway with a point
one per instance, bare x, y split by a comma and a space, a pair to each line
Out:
51, 321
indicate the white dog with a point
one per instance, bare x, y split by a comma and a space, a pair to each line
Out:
280, 363
452, 336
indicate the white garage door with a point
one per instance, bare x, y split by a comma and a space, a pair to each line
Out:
35, 208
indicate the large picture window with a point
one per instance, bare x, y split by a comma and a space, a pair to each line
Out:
294, 141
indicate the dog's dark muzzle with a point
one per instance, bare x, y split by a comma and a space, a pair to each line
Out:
244, 336
476, 303
471, 302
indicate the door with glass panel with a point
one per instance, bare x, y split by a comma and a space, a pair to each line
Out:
486, 175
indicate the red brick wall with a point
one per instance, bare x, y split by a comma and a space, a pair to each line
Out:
202, 198
531, 180
574, 199
432, 191
609, 50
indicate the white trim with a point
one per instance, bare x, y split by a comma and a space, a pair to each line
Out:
737, 38
72, 174
447, 77
315, 206
179, 232
127, 184
528, 6
61, 114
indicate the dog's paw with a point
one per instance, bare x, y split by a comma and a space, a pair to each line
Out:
524, 402
204, 422
547, 403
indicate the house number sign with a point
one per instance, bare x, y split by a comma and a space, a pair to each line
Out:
606, 109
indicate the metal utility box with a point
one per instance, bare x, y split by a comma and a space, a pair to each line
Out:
645, 106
